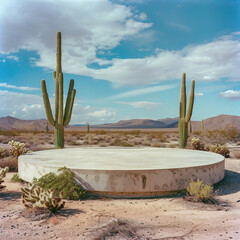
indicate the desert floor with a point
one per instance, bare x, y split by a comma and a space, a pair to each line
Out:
168, 217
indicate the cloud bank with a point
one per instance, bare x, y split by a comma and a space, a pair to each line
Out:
29, 106
90, 29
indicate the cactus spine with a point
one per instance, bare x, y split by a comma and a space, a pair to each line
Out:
61, 119
184, 119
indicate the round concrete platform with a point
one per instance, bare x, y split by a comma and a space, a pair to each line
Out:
127, 172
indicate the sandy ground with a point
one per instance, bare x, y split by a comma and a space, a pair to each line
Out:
160, 218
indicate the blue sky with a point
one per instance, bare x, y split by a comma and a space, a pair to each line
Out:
126, 57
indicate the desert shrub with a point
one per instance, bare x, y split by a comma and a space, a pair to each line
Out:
64, 182
10, 162
197, 144
9, 133
17, 148
119, 142
199, 190
16, 178
36, 197
2, 150
3, 172
220, 149
198, 133
135, 132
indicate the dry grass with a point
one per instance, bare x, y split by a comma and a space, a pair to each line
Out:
11, 162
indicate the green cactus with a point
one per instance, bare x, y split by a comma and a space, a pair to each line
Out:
61, 119
202, 126
88, 127
184, 119
3, 172
36, 197
190, 127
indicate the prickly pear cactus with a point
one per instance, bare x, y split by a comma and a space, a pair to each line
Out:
3, 172
36, 197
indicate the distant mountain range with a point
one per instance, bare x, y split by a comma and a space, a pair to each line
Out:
218, 122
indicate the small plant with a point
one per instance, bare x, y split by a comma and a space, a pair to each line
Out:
197, 144
64, 182
36, 197
2, 150
88, 127
16, 178
200, 191
220, 149
17, 148
3, 172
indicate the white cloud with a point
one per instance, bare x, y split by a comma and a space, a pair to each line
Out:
142, 104
199, 94
143, 91
231, 94
20, 105
15, 58
86, 26
29, 106
5, 85
100, 26
207, 62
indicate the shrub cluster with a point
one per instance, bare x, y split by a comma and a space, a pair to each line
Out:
197, 144
17, 148
220, 149
199, 190
64, 182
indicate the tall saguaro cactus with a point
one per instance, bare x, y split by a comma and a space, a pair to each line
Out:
61, 119
184, 119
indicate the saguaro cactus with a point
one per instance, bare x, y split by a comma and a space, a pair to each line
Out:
61, 119
184, 119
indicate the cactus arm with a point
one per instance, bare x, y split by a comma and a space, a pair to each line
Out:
68, 111
56, 102
54, 75
183, 97
60, 110
191, 101
47, 103
70, 89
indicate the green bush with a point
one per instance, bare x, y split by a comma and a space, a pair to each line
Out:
64, 182
220, 149
16, 178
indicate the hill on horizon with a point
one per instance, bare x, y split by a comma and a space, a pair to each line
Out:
218, 122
